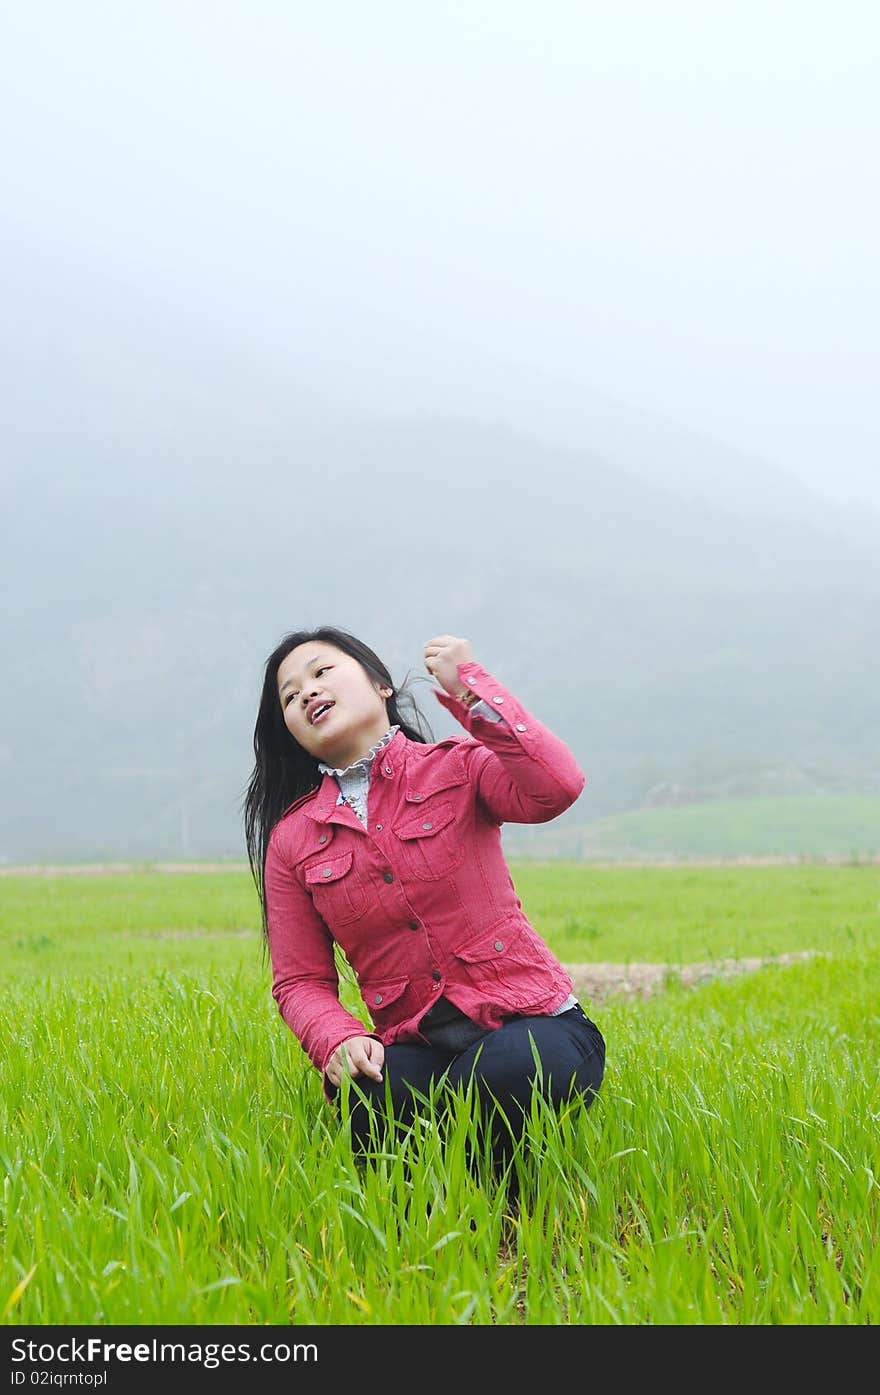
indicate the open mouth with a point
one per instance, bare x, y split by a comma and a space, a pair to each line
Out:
320, 712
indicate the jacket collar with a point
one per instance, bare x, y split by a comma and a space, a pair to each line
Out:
388, 761
364, 761
399, 758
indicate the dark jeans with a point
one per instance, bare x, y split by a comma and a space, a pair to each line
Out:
501, 1063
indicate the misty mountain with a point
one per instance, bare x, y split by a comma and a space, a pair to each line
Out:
666, 635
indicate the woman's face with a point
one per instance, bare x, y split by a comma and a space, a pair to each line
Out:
331, 705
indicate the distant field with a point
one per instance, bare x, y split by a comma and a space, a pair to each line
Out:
810, 828
826, 827
209, 920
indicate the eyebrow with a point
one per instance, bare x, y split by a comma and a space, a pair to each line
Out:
320, 659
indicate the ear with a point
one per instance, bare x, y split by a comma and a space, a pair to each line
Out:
386, 692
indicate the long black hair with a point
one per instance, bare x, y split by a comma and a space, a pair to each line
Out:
283, 769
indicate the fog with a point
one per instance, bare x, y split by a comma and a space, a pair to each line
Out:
674, 204
424, 318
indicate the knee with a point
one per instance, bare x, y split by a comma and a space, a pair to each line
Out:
557, 1075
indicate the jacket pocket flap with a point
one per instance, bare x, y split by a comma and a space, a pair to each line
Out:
328, 869
492, 945
379, 992
427, 822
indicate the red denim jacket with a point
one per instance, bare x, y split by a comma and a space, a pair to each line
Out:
421, 900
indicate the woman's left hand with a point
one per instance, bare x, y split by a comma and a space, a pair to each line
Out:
443, 654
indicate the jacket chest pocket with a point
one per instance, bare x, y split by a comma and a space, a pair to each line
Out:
431, 841
336, 888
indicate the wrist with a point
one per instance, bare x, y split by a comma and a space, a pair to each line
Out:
467, 697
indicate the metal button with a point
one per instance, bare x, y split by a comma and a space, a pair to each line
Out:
427, 825
323, 838
498, 699
521, 726
436, 976
378, 828
499, 944
388, 770
413, 924
378, 998
389, 876
417, 796
327, 871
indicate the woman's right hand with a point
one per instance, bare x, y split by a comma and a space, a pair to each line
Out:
356, 1056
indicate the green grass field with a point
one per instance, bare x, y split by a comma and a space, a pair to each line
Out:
821, 826
839, 827
168, 1157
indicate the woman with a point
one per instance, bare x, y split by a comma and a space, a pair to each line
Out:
364, 836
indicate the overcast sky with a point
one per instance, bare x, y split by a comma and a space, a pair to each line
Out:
673, 203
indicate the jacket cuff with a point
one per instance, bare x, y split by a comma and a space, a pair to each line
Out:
480, 682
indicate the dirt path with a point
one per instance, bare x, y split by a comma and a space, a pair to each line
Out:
599, 982
108, 869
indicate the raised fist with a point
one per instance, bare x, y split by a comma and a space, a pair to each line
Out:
443, 654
